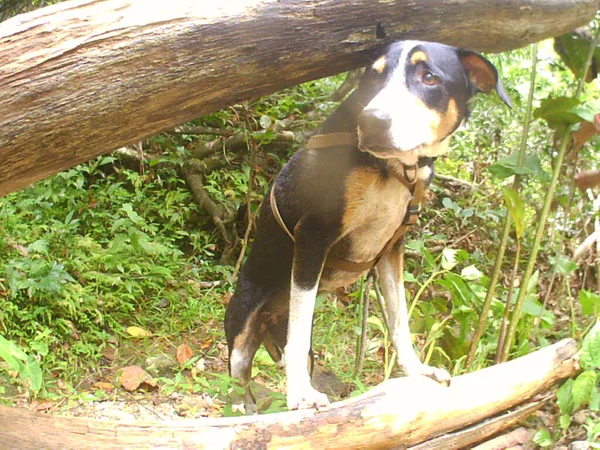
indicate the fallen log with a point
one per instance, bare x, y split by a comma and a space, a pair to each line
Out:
84, 77
401, 412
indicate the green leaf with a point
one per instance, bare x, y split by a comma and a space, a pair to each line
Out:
564, 398
450, 204
542, 438
590, 349
573, 50
448, 258
376, 321
559, 112
565, 421
28, 367
509, 166
32, 374
39, 246
409, 277
471, 273
133, 216
582, 388
590, 302
265, 122
12, 354
516, 209
533, 308
565, 266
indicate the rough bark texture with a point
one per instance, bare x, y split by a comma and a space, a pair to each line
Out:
402, 412
85, 77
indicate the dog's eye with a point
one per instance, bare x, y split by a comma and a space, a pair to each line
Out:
429, 79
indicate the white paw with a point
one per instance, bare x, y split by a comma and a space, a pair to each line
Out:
440, 375
306, 398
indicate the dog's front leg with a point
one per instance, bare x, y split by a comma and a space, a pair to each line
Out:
309, 256
391, 276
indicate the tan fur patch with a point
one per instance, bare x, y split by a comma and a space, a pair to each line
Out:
418, 57
448, 120
357, 183
380, 64
248, 333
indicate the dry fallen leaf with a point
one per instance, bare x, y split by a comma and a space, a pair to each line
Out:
134, 377
102, 385
138, 332
206, 343
184, 353
41, 405
586, 131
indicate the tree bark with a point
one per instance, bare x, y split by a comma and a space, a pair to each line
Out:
84, 77
401, 412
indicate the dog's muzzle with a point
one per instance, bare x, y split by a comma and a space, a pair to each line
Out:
375, 135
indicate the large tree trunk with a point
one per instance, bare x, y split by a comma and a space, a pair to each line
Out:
84, 77
400, 413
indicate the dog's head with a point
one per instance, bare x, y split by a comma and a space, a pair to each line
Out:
418, 94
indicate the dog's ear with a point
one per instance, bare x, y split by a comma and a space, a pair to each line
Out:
482, 74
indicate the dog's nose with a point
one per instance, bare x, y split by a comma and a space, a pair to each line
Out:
374, 121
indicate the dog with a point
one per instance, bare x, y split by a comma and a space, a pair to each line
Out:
341, 206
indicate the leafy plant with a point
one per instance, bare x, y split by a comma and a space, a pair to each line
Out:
26, 366
583, 390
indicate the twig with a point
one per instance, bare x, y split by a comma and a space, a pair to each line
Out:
253, 147
191, 129
347, 85
509, 296
381, 301
192, 172
453, 180
362, 341
238, 142
210, 284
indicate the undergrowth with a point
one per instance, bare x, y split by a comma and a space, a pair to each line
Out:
104, 246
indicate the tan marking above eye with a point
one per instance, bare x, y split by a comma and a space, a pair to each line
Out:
418, 57
380, 64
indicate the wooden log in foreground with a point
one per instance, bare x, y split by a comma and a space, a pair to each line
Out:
401, 412
85, 77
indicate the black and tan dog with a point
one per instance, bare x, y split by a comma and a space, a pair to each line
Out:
341, 206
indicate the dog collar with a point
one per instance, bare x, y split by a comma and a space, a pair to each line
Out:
332, 140
347, 139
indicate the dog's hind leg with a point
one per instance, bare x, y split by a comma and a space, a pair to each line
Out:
244, 336
391, 276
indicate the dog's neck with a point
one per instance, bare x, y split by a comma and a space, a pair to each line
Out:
344, 118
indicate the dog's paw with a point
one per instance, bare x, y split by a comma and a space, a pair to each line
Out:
435, 373
306, 399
